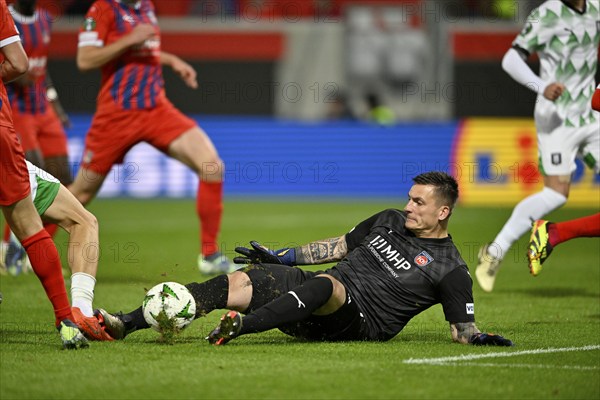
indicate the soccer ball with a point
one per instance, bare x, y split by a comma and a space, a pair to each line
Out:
169, 305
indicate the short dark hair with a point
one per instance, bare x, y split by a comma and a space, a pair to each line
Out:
446, 186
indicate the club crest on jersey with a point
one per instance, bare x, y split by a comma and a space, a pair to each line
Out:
129, 19
89, 24
423, 259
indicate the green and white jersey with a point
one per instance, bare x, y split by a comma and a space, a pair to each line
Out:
44, 187
566, 41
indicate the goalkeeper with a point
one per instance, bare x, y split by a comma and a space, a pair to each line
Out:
392, 266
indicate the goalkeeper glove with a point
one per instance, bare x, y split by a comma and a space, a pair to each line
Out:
489, 339
261, 254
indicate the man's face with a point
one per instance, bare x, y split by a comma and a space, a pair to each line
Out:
423, 212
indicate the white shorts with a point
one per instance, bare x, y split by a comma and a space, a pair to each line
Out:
559, 149
44, 188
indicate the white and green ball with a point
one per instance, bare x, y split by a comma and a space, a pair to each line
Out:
172, 298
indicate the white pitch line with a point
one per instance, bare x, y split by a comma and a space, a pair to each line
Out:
470, 357
539, 366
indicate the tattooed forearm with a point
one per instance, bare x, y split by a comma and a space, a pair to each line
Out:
462, 331
322, 251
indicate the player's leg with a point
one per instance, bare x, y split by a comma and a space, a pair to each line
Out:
195, 149
21, 215
82, 227
244, 291
11, 252
26, 128
86, 185
346, 323
223, 291
27, 226
53, 143
529, 209
181, 138
321, 295
532, 208
545, 235
557, 157
45, 262
83, 253
561, 232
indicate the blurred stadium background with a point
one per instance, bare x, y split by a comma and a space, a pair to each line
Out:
323, 111
334, 97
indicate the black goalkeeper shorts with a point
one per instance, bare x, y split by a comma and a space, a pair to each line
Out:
270, 281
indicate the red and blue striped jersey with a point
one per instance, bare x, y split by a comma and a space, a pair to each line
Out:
35, 38
8, 35
134, 79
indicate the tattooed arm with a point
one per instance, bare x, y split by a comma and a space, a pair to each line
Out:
463, 331
467, 333
322, 251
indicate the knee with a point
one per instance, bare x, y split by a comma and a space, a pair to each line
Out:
79, 221
240, 291
336, 299
238, 279
556, 195
212, 170
90, 221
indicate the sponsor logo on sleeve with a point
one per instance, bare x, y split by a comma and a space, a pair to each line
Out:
470, 308
88, 156
423, 259
152, 17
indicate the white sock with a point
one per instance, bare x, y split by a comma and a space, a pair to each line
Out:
528, 210
82, 292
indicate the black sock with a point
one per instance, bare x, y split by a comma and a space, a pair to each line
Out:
295, 305
134, 320
209, 295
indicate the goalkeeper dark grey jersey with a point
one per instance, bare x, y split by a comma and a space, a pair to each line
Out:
393, 275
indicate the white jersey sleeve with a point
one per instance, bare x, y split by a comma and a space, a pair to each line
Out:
518, 69
566, 41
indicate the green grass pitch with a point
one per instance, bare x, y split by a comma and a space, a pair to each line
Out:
147, 242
